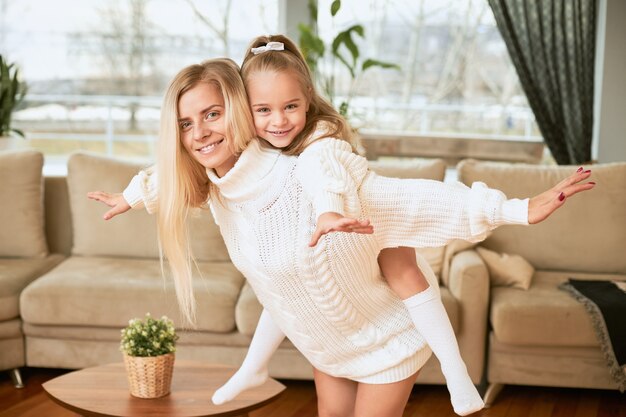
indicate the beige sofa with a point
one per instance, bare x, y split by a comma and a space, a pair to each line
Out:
105, 273
543, 336
23, 251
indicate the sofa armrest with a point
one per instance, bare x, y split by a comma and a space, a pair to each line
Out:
468, 282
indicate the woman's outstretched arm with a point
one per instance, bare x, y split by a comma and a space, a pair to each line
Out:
140, 192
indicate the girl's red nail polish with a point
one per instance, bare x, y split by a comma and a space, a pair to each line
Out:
592, 183
579, 169
586, 172
561, 197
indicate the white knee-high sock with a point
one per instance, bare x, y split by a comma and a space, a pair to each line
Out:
432, 322
253, 371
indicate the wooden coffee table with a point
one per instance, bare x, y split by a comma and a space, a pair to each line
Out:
103, 391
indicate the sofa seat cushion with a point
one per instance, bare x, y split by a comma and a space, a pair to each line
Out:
15, 275
249, 309
107, 292
543, 315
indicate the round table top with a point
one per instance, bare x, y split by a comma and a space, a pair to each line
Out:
104, 391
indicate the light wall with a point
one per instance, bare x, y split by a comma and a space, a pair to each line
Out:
609, 133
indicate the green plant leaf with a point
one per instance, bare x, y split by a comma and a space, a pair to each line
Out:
369, 63
12, 92
334, 7
311, 45
345, 38
313, 10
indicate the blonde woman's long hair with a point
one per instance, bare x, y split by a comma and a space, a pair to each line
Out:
320, 110
182, 181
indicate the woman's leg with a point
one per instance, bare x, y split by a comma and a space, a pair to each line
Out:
399, 267
335, 396
383, 400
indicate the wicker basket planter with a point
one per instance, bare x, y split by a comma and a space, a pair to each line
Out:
150, 376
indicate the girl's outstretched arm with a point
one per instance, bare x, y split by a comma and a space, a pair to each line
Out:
413, 212
426, 213
543, 205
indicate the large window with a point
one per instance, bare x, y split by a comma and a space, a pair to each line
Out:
455, 75
96, 69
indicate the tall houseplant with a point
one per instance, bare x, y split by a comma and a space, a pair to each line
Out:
343, 49
12, 92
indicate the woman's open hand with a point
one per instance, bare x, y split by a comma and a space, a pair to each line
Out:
116, 201
546, 203
335, 222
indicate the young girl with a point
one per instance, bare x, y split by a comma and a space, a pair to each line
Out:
330, 300
290, 115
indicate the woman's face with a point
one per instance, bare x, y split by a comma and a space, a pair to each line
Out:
201, 121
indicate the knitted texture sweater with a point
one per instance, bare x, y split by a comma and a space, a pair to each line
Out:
331, 300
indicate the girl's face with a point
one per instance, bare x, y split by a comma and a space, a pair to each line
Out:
201, 122
278, 105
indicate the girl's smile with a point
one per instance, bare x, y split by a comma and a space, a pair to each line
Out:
278, 105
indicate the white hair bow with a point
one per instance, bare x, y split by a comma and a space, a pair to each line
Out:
271, 46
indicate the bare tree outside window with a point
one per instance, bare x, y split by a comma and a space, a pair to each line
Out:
127, 49
222, 14
454, 66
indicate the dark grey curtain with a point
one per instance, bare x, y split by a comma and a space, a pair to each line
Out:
552, 45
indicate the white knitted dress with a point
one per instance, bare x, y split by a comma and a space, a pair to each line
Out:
330, 300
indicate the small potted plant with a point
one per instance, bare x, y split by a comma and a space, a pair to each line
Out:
148, 346
12, 92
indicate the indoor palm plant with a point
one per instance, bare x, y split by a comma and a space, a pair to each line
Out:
12, 92
343, 49
148, 346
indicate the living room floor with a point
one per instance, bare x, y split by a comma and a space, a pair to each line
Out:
299, 400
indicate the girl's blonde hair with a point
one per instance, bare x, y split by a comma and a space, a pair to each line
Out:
291, 60
182, 181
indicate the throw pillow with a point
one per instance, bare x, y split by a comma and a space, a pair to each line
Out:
22, 231
507, 270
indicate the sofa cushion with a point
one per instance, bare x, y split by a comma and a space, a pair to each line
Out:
431, 169
584, 235
107, 292
15, 275
134, 233
544, 315
21, 193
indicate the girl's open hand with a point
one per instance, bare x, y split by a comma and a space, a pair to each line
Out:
546, 203
116, 201
335, 222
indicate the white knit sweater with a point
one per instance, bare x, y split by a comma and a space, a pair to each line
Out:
330, 300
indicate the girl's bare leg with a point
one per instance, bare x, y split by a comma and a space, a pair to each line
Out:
383, 400
335, 396
399, 267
